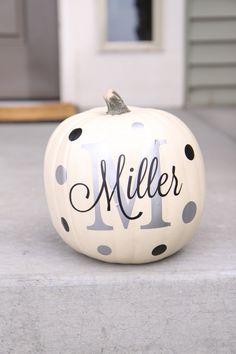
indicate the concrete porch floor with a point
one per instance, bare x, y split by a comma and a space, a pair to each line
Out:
54, 300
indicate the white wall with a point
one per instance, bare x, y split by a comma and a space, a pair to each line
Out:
142, 78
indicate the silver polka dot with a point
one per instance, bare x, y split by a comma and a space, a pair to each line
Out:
104, 250
137, 125
61, 174
189, 212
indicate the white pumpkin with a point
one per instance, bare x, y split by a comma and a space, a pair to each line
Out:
124, 186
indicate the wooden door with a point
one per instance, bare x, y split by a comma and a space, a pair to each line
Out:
28, 49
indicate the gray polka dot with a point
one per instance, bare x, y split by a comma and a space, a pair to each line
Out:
189, 212
61, 174
104, 250
137, 125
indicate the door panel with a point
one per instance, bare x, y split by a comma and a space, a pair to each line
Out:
28, 49
9, 21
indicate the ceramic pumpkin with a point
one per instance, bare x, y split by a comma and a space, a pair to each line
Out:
125, 185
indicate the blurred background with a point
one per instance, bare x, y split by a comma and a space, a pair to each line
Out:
160, 53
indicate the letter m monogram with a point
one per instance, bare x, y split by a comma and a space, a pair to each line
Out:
96, 151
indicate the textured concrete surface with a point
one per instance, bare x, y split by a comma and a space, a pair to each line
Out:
54, 300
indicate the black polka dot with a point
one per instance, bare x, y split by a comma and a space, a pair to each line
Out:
189, 152
75, 134
159, 250
65, 224
132, 169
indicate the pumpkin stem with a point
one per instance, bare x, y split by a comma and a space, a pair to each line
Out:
115, 104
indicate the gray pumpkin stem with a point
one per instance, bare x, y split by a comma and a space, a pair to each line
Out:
115, 104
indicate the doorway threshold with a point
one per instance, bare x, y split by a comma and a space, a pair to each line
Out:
23, 111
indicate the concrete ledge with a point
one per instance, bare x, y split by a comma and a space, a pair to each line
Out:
136, 314
54, 300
